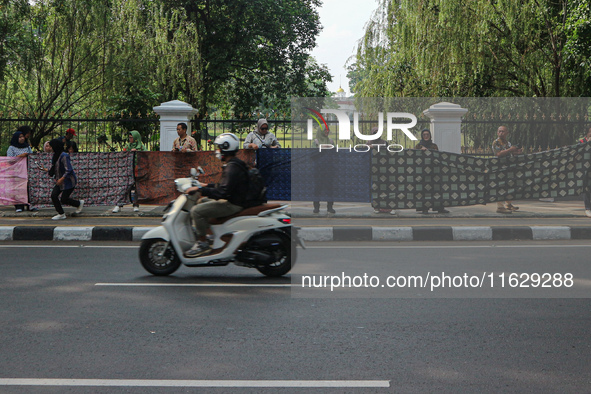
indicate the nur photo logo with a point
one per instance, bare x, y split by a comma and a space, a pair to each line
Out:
374, 140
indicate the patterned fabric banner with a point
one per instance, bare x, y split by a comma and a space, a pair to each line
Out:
156, 172
330, 176
431, 179
405, 180
103, 178
13, 180
275, 167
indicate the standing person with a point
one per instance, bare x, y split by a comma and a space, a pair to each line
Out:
65, 180
224, 199
380, 143
184, 142
19, 147
587, 193
70, 145
261, 137
26, 130
135, 144
502, 147
427, 143
320, 182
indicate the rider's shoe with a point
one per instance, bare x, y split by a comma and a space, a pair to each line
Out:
199, 249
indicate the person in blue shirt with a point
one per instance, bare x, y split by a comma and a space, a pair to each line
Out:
65, 180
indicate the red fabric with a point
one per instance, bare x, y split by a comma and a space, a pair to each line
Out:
156, 172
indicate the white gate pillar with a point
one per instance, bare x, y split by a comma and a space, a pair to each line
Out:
446, 126
172, 113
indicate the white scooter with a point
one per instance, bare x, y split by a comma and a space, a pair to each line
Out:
260, 237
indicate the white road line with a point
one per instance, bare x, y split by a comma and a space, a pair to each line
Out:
445, 246
195, 383
195, 284
540, 245
73, 246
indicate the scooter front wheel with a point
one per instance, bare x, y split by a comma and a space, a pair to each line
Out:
158, 257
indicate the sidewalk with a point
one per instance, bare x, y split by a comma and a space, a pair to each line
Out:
352, 222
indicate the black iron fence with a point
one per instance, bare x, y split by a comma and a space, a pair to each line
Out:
206, 130
104, 134
92, 135
533, 135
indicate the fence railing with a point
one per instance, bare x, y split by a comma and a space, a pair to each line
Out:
103, 135
92, 135
532, 135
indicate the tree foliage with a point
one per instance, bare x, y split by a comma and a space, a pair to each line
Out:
531, 48
12, 34
66, 58
254, 51
62, 69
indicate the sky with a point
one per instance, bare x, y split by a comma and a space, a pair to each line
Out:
343, 24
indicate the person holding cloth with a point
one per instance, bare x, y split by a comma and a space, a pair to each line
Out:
261, 138
427, 143
65, 180
19, 147
184, 142
135, 144
502, 147
320, 183
587, 194
70, 145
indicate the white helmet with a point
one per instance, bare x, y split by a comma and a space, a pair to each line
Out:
227, 142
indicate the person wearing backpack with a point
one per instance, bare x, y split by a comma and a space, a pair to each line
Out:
226, 198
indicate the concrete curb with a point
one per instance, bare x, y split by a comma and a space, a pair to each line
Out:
320, 234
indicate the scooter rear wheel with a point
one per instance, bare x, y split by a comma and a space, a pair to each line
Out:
158, 257
284, 254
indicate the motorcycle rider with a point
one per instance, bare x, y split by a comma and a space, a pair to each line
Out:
224, 199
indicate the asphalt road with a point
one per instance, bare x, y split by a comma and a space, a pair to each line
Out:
75, 312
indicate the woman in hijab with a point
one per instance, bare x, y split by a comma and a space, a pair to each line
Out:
135, 144
261, 137
426, 142
19, 147
65, 180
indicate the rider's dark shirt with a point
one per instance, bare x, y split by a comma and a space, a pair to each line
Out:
233, 185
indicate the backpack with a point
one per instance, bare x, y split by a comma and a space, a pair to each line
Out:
257, 190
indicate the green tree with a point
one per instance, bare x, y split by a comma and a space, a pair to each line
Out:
478, 48
246, 45
155, 50
62, 71
13, 36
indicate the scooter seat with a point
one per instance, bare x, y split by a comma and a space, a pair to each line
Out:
252, 211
